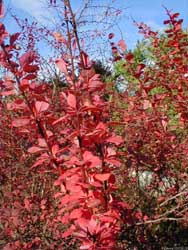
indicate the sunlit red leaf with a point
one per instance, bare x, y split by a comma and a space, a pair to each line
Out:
161, 199
178, 27
87, 74
122, 45
41, 106
62, 65
27, 58
75, 214
102, 177
140, 67
94, 161
95, 83
24, 84
59, 37
8, 92
42, 142
27, 204
69, 232
113, 161
41, 160
18, 104
2, 9
146, 104
117, 140
61, 119
164, 124
8, 83
71, 100
55, 149
35, 149
20, 122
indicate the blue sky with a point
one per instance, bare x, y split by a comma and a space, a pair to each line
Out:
150, 12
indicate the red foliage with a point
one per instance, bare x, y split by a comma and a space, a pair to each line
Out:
78, 141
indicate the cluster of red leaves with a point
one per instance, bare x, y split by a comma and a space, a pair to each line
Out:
78, 143
74, 135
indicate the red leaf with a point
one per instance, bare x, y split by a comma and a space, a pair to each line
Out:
102, 177
164, 123
90, 158
146, 104
2, 9
115, 139
129, 57
3, 32
122, 45
69, 232
42, 142
61, 119
113, 162
111, 35
87, 74
140, 67
27, 204
30, 77
9, 83
49, 133
30, 68
7, 247
114, 50
174, 15
14, 37
74, 44
145, 218
95, 83
18, 104
178, 27
71, 101
41, 159
85, 60
34, 150
59, 37
75, 214
41, 106
8, 92
62, 65
161, 199
166, 22
27, 58
20, 122
55, 149
24, 84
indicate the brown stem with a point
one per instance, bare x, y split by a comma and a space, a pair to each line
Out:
68, 20
69, 42
68, 7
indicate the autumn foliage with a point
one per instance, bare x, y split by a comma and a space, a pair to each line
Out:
68, 158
